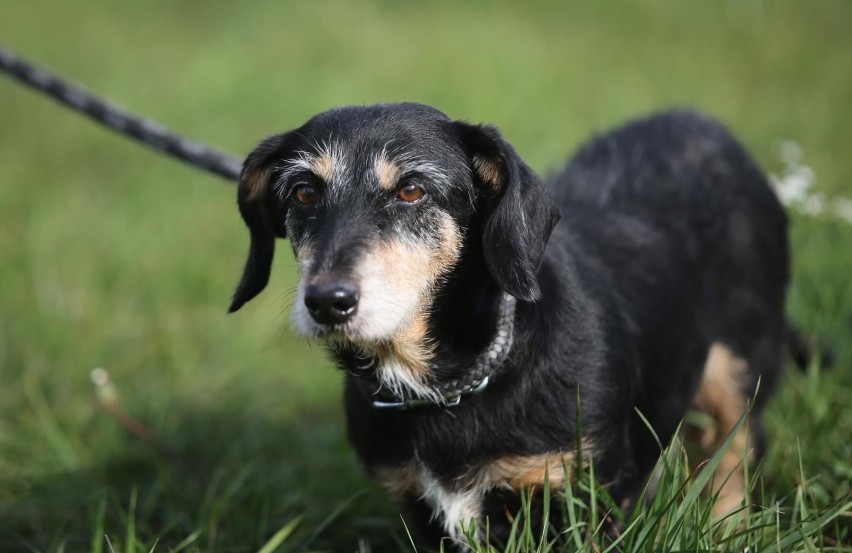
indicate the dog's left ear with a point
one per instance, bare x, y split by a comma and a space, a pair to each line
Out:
255, 201
520, 214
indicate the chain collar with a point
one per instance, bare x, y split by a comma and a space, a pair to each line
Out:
487, 363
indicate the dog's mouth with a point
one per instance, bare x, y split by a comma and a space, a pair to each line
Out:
340, 340
346, 334
335, 333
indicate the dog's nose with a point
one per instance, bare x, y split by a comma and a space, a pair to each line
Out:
331, 302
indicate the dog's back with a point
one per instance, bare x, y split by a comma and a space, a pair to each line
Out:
685, 174
687, 227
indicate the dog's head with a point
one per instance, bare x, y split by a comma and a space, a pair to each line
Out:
377, 202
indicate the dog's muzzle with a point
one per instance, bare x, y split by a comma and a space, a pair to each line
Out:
331, 302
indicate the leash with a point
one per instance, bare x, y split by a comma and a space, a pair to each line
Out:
109, 115
198, 155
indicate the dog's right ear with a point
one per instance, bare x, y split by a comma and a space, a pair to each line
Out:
255, 201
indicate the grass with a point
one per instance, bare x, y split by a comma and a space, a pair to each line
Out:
676, 518
113, 257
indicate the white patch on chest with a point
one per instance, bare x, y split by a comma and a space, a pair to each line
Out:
453, 508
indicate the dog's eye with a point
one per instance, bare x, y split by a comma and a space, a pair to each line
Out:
410, 193
306, 194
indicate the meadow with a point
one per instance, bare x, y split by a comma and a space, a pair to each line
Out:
115, 257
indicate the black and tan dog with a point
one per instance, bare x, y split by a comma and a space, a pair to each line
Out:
470, 316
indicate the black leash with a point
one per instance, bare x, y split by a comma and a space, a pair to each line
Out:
109, 115
159, 138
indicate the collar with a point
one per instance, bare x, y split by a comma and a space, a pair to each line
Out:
475, 380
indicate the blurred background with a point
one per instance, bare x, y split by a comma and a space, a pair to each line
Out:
113, 256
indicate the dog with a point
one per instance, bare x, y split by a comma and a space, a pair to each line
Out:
494, 326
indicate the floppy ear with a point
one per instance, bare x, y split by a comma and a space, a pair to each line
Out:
254, 199
520, 212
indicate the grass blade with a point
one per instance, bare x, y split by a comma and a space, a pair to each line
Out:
278, 538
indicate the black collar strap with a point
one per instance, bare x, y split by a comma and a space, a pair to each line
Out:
477, 378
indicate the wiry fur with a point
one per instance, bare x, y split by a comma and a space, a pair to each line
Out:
671, 254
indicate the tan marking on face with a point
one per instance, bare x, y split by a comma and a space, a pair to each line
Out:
404, 266
397, 279
411, 347
447, 253
387, 173
255, 183
406, 270
721, 397
323, 166
489, 171
402, 482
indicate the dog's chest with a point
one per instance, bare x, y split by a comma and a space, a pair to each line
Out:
453, 504
455, 501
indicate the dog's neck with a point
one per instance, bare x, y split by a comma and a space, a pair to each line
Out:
474, 379
453, 349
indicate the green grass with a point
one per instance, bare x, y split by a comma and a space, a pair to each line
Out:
114, 257
676, 518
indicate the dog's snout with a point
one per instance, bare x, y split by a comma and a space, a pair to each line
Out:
331, 302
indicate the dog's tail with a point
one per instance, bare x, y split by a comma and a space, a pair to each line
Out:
804, 350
